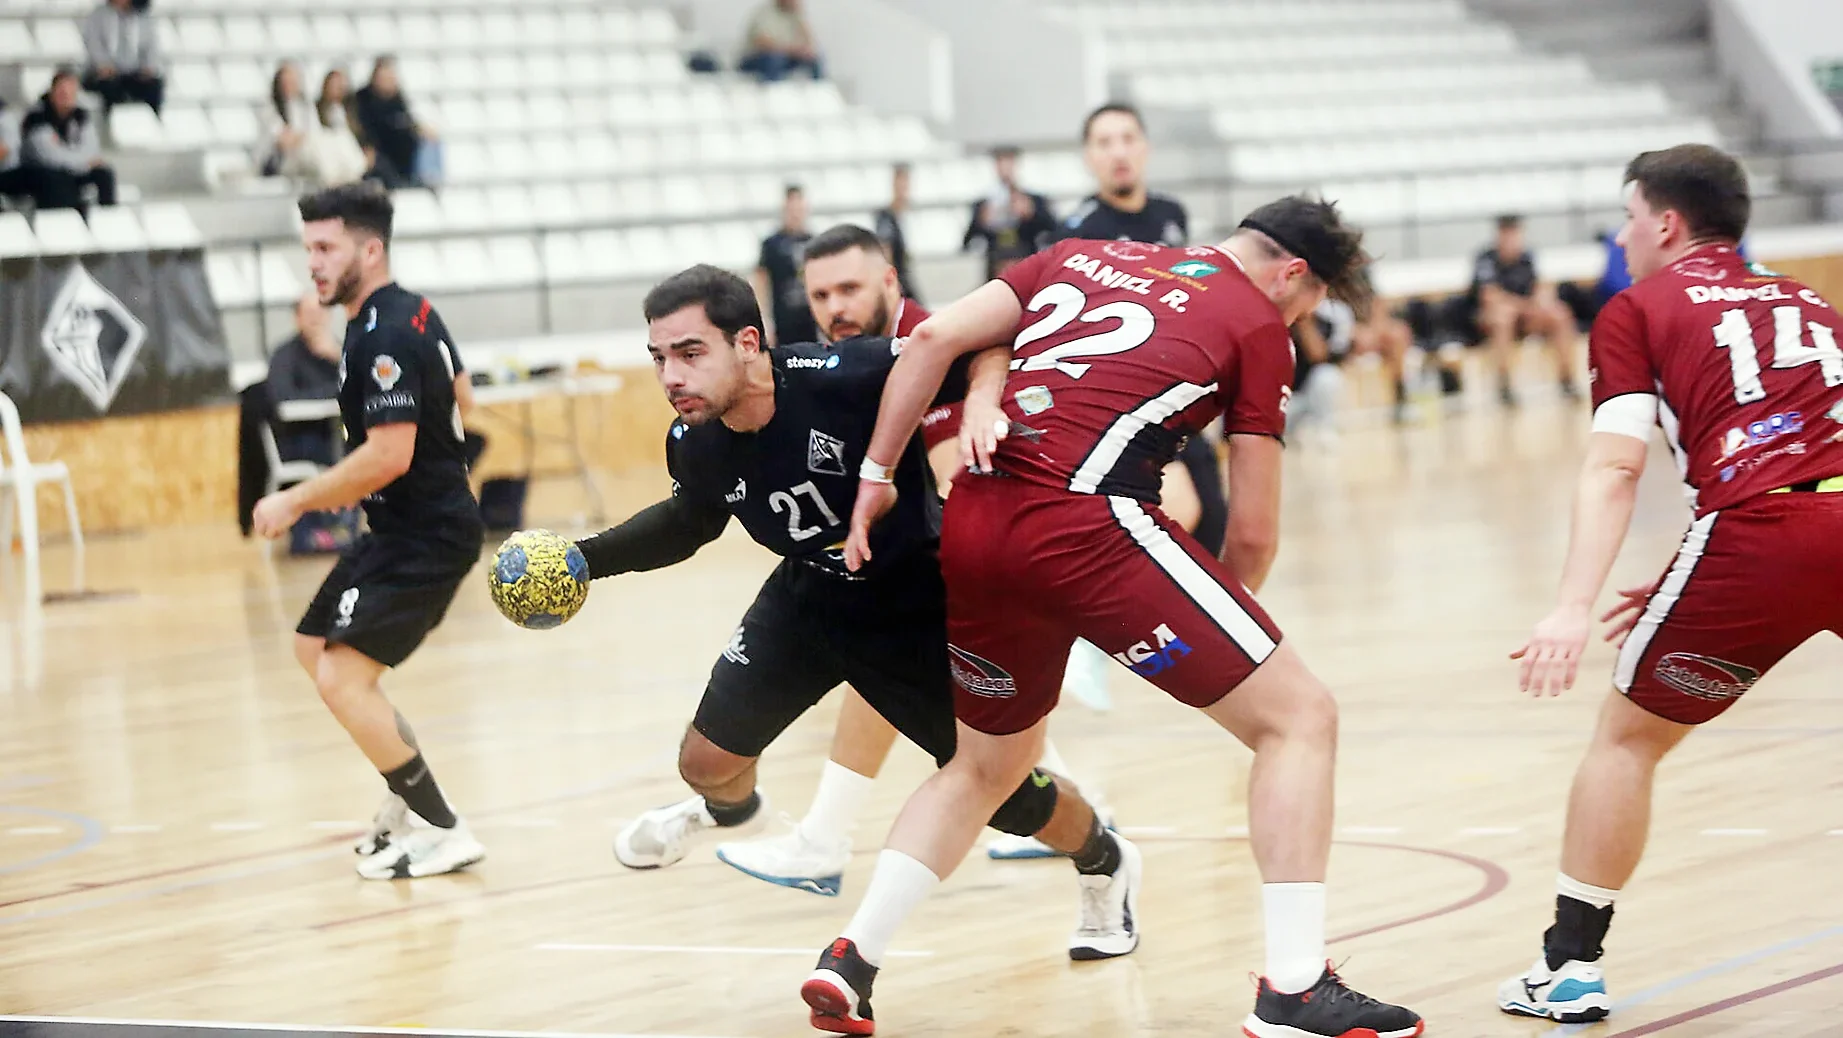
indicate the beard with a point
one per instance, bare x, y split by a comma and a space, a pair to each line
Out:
345, 288
879, 324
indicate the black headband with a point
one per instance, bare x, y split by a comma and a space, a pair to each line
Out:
1313, 260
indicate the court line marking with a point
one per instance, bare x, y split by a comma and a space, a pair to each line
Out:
130, 829
89, 834
1491, 830
235, 827
35, 830
131, 896
325, 1029
612, 782
702, 949
1719, 969
1730, 1002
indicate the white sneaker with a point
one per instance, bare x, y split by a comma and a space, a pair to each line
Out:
1573, 994
1109, 925
392, 815
418, 849
790, 860
664, 835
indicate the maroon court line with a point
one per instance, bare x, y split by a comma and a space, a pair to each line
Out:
1495, 880
1729, 1003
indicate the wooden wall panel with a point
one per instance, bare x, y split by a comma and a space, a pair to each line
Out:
142, 470
1823, 273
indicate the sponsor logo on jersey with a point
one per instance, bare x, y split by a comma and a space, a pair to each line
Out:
1155, 656
389, 401
1188, 282
1835, 414
736, 496
1286, 399
371, 323
1760, 433
936, 416
1769, 292
1702, 267
1103, 274
1035, 399
348, 601
812, 363
385, 372
1728, 473
678, 431
980, 676
1761, 270
1194, 269
1704, 677
1125, 250
825, 454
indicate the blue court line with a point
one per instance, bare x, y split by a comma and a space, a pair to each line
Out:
91, 836
1719, 969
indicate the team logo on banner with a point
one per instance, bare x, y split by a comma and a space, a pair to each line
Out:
91, 338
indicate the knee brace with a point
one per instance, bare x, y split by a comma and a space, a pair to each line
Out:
1029, 807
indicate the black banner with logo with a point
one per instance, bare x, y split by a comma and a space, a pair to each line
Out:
110, 334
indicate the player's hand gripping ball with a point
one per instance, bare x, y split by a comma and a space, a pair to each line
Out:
539, 579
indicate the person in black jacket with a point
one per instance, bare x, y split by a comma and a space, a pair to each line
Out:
63, 150
306, 367
388, 130
1012, 222
889, 229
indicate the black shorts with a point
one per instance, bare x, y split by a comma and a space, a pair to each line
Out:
810, 631
384, 596
1205, 468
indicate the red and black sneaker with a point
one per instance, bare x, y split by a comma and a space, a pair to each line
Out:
839, 991
1328, 1009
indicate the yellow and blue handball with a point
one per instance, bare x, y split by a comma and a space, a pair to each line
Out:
539, 579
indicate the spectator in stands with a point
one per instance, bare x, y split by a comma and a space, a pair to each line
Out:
296, 145
334, 107
306, 367
402, 148
63, 150
122, 45
889, 229
1012, 222
777, 273
15, 179
780, 43
1513, 303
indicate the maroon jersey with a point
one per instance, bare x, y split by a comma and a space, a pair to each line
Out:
1126, 348
1738, 364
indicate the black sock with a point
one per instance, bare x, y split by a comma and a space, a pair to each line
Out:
1579, 928
1099, 854
1401, 391
416, 785
727, 815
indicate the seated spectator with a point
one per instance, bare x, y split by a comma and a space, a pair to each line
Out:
1384, 333
306, 367
15, 179
296, 145
1012, 222
335, 110
122, 46
1513, 304
63, 150
780, 43
404, 152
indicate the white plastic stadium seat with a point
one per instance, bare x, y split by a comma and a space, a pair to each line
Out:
170, 226
136, 127
116, 229
62, 232
417, 213
16, 44
232, 279
16, 238
58, 38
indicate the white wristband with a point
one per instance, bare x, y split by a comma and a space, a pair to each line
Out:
871, 472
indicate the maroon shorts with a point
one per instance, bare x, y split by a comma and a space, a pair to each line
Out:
1030, 569
1749, 585
940, 425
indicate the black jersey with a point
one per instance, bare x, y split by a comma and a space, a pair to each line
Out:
793, 482
1517, 276
1162, 222
399, 365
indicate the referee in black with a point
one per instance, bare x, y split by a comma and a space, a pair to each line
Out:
402, 395
776, 438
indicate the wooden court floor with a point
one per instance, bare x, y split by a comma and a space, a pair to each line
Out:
175, 804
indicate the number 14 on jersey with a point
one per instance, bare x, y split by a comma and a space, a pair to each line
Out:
1735, 334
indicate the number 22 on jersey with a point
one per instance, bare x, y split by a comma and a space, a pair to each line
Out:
1066, 303
1735, 334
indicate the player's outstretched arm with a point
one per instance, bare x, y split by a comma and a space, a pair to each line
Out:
984, 318
1253, 535
1603, 502
655, 537
385, 455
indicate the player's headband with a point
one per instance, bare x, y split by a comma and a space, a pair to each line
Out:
1302, 244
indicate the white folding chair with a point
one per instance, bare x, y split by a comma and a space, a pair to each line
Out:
19, 480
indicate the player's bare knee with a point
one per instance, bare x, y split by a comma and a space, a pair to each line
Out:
704, 765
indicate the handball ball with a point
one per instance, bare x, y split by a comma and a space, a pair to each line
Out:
539, 579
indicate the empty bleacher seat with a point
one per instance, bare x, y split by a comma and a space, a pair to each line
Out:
62, 232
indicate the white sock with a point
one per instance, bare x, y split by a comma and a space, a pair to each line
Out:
899, 884
1598, 897
1295, 915
836, 803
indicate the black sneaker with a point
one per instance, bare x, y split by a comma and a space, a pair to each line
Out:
838, 991
1328, 1009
